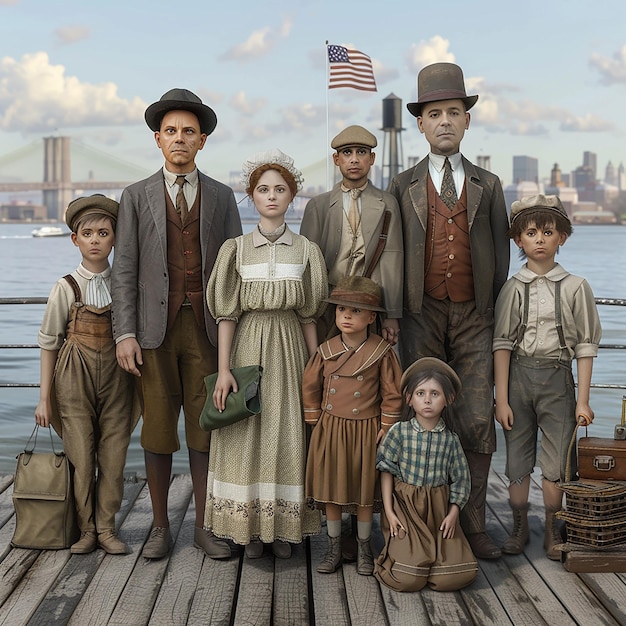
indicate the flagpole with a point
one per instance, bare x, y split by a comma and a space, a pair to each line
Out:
327, 117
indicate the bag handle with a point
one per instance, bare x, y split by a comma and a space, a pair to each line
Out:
34, 434
568, 464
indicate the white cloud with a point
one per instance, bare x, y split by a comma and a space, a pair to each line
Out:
587, 124
259, 43
435, 50
71, 34
6, 3
240, 103
612, 70
37, 96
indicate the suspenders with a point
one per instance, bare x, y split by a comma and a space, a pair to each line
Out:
557, 319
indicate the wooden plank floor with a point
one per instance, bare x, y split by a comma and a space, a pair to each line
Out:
54, 587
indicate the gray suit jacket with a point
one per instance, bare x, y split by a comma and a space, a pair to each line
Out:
488, 224
140, 280
322, 222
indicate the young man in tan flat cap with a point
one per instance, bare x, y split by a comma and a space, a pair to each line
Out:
456, 259
170, 228
358, 228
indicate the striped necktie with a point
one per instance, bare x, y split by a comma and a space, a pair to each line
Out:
448, 190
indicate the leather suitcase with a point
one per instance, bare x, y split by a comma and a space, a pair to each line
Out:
601, 458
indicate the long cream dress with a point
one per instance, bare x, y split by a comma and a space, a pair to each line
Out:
255, 487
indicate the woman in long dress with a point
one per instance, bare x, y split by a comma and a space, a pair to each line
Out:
266, 292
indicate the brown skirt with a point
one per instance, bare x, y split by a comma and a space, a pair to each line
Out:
341, 464
423, 556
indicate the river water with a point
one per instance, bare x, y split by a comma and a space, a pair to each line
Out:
29, 266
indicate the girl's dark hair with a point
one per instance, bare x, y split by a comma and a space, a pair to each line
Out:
541, 218
415, 379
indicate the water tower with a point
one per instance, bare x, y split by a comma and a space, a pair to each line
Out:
393, 161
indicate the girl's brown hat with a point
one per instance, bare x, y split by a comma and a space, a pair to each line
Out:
357, 292
432, 363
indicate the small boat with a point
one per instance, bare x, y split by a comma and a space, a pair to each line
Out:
50, 231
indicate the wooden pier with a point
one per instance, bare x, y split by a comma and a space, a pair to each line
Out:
55, 587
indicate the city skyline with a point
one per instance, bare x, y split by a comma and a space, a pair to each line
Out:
550, 78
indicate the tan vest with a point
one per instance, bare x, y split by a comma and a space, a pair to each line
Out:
351, 256
448, 258
184, 261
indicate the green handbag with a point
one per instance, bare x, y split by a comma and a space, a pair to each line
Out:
244, 403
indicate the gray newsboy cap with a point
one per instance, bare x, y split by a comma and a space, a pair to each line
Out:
539, 201
354, 136
90, 205
181, 100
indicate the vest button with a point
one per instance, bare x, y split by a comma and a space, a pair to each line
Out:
355, 411
451, 256
329, 407
450, 220
357, 394
332, 391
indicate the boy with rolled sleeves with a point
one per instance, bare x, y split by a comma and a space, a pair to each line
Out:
84, 394
545, 317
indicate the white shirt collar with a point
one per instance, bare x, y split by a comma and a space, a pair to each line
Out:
86, 274
190, 177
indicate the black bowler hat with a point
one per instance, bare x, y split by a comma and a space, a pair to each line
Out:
181, 100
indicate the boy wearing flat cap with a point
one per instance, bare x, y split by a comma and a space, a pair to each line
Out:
545, 317
84, 394
456, 259
358, 228
170, 228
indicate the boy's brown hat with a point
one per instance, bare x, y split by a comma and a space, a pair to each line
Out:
91, 205
354, 136
432, 363
357, 292
440, 81
539, 201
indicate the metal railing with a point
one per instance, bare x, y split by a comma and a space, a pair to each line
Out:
24, 301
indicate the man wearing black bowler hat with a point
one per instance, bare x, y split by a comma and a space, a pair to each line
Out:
456, 259
170, 228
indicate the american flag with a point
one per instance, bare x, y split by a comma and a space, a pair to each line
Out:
350, 68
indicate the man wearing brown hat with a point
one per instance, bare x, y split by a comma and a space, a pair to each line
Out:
358, 228
456, 260
170, 228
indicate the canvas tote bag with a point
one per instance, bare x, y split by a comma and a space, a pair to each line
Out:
43, 498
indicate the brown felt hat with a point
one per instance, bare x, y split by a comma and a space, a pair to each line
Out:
90, 205
432, 363
357, 292
354, 136
537, 202
181, 100
440, 81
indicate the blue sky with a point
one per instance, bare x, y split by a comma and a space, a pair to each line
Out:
551, 76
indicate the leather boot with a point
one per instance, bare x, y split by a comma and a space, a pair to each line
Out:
332, 559
86, 544
515, 542
552, 535
365, 558
473, 514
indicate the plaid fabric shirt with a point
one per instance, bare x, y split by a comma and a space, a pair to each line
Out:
421, 457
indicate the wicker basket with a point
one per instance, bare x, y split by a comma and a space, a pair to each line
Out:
595, 513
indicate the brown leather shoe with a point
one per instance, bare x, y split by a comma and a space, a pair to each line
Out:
86, 544
158, 544
281, 549
212, 546
365, 558
483, 547
254, 549
111, 544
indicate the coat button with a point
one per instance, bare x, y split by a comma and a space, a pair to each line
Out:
329, 407
355, 411
332, 391
357, 394
335, 377
359, 377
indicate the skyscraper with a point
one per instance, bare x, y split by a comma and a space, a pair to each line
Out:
525, 169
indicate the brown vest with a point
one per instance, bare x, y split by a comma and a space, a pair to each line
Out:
184, 261
448, 258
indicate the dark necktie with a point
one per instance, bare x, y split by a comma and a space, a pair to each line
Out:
181, 202
448, 190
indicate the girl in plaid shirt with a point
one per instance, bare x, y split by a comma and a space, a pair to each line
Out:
425, 483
